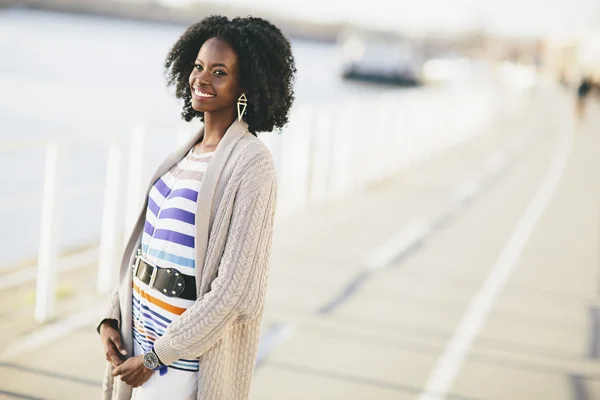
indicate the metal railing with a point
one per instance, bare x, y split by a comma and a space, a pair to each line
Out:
56, 149
325, 153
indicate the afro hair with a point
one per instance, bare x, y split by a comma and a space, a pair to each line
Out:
267, 67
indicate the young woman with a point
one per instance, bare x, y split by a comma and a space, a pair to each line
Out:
185, 319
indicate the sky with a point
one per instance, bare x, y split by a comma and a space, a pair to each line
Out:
509, 17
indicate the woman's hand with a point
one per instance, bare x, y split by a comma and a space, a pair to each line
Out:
133, 372
113, 346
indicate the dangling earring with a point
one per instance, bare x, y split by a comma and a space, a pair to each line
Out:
241, 106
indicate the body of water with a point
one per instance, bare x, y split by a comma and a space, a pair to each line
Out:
88, 78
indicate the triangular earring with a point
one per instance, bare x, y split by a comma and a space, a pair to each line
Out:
241, 106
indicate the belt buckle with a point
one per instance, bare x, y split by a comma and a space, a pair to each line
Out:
139, 257
136, 263
153, 276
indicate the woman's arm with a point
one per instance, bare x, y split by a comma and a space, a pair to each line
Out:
112, 312
108, 328
239, 289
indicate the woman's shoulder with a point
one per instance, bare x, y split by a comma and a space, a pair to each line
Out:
252, 152
251, 159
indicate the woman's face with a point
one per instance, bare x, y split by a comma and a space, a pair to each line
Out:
214, 81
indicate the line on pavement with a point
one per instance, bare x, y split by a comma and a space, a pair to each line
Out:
594, 334
401, 246
396, 250
347, 292
18, 395
355, 379
523, 365
50, 374
409, 251
277, 333
450, 361
52, 332
66, 263
580, 391
429, 348
444, 220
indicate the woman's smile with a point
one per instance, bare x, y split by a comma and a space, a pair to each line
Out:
201, 95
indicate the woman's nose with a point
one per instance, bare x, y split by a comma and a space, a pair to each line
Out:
204, 77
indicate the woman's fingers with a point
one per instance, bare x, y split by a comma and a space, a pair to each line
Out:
113, 345
116, 339
111, 354
135, 381
141, 378
131, 378
116, 371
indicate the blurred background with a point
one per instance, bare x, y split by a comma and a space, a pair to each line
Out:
437, 230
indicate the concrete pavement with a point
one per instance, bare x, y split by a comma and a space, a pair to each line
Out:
396, 290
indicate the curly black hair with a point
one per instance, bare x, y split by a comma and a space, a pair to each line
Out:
267, 67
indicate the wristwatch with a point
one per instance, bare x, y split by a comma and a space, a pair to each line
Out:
151, 360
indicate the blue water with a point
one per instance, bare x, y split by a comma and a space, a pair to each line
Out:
89, 78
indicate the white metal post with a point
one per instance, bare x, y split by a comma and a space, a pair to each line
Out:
321, 156
48, 255
299, 155
134, 179
109, 236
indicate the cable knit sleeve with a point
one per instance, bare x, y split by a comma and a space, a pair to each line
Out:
111, 309
239, 289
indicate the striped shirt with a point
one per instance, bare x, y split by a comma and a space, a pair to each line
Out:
168, 241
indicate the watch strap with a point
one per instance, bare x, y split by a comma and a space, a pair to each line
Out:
160, 363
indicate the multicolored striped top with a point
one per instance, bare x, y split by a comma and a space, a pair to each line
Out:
168, 241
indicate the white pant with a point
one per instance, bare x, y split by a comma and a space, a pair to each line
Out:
175, 384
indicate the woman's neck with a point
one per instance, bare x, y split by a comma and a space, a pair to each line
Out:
215, 126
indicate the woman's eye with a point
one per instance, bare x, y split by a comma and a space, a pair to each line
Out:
198, 67
220, 73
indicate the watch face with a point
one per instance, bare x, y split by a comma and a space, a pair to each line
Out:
150, 360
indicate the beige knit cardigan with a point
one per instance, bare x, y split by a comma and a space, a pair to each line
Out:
234, 225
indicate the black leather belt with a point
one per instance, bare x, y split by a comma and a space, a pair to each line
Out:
168, 281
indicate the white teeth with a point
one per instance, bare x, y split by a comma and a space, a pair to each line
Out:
202, 94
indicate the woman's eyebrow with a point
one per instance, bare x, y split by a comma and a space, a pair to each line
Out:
220, 65
214, 65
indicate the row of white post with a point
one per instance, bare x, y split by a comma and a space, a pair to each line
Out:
324, 154
330, 151
117, 218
